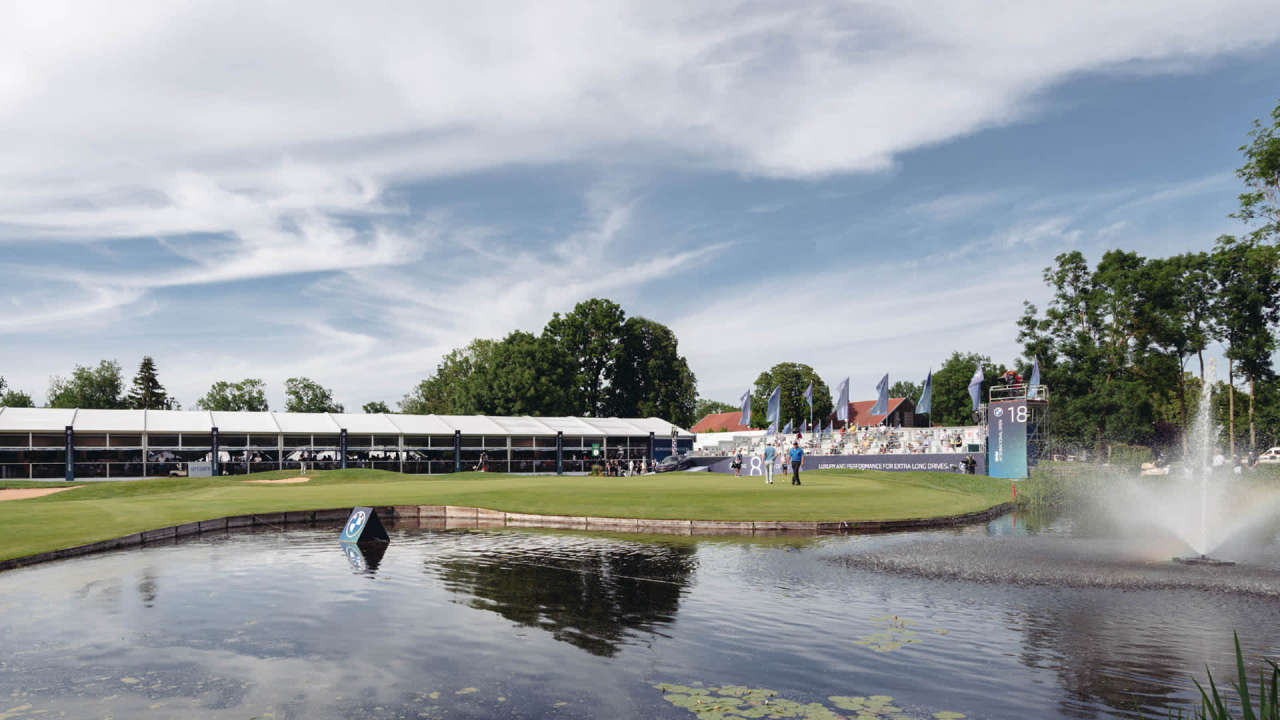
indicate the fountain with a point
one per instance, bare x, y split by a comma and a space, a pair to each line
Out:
1209, 510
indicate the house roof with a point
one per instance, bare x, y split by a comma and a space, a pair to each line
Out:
860, 412
720, 422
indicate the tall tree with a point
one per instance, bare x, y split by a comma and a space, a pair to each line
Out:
522, 374
1095, 327
1247, 305
1260, 203
248, 395
306, 395
89, 387
951, 403
652, 378
592, 335
147, 393
376, 406
793, 378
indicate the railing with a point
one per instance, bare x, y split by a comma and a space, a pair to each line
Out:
1021, 391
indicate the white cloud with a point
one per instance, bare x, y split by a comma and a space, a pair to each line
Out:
257, 141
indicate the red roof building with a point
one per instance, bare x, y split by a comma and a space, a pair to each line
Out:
720, 422
902, 412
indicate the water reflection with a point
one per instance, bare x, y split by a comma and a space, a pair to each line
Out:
364, 557
592, 598
278, 623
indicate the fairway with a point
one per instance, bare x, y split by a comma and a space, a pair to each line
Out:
101, 511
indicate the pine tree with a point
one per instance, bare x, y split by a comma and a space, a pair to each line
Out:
147, 393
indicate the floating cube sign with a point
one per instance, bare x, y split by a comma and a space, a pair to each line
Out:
363, 526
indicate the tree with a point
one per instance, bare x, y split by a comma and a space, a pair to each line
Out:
147, 393
247, 395
592, 335
522, 374
88, 387
306, 395
376, 406
447, 391
594, 362
1247, 307
704, 407
1260, 203
1096, 346
651, 378
906, 389
13, 398
950, 394
793, 378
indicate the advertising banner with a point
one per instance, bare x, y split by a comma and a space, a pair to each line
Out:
1007, 439
943, 462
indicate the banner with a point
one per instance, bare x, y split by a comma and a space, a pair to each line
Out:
882, 402
772, 430
774, 412
745, 419
787, 430
940, 462
842, 401
975, 387
1035, 371
926, 396
1007, 439
808, 397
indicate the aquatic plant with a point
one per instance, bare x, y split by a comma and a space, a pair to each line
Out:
1212, 707
735, 702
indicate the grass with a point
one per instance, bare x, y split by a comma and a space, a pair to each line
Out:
1212, 706
100, 511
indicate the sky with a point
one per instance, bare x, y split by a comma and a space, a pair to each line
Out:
288, 189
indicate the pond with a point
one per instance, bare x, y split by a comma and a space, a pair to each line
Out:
986, 621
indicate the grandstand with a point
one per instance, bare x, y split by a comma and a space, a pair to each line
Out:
43, 443
866, 440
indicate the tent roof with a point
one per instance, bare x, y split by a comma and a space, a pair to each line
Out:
203, 421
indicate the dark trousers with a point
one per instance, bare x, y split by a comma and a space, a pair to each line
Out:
795, 472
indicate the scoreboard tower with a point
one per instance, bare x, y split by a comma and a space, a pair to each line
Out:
1017, 429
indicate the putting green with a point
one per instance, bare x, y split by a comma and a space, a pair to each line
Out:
101, 511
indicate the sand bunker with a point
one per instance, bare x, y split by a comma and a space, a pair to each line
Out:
24, 493
281, 481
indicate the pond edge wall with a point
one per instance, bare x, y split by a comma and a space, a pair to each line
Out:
455, 517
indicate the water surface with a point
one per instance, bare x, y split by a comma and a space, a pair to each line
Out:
531, 624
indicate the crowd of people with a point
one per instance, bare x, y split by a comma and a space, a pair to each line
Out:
870, 440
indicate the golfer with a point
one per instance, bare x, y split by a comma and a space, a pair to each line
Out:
769, 456
797, 462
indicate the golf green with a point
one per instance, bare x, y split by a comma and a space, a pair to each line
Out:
100, 511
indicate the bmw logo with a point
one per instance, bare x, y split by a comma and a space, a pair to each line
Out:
999, 412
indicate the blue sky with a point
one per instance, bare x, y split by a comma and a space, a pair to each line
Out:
248, 192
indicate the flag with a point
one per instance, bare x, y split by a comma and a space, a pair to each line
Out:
842, 401
774, 413
787, 430
926, 395
773, 429
745, 420
882, 402
1035, 371
808, 397
975, 387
